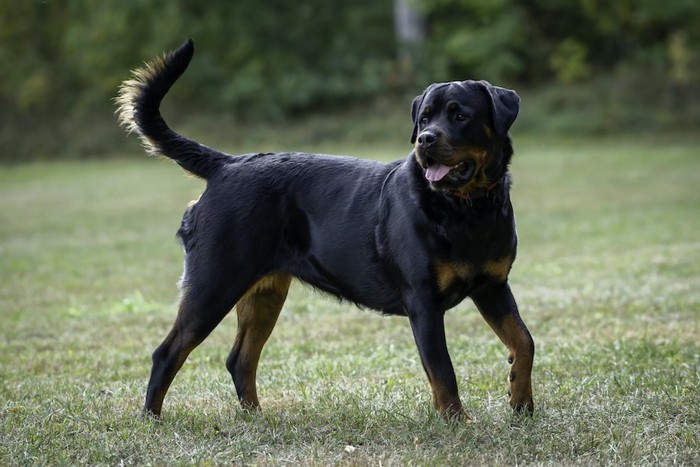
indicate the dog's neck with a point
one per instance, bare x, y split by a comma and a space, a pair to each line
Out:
474, 195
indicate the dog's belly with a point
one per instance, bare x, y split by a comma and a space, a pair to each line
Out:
341, 258
343, 275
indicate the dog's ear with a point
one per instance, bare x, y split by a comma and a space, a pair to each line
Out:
415, 108
414, 115
505, 104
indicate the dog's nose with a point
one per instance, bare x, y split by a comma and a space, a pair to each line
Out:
427, 139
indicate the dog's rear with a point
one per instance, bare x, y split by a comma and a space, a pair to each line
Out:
139, 111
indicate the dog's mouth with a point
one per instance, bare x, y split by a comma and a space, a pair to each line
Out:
436, 171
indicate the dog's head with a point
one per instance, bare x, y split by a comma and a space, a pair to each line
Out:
459, 131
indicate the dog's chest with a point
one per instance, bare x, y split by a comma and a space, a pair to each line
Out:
451, 275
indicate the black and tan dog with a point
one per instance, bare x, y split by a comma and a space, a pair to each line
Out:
412, 237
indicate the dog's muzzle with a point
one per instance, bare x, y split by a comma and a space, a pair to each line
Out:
461, 172
432, 151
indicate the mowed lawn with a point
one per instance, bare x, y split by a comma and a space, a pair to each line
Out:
607, 279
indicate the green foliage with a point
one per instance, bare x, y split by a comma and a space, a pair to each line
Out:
282, 58
278, 60
570, 61
474, 39
537, 40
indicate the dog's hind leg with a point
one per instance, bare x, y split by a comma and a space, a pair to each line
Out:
201, 310
498, 307
257, 313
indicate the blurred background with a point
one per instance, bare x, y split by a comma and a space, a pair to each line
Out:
343, 69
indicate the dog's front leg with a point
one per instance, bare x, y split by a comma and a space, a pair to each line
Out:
428, 328
498, 307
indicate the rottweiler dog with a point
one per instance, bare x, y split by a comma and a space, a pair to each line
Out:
412, 237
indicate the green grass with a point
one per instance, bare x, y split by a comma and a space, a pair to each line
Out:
607, 278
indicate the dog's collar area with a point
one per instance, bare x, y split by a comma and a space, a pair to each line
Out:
473, 195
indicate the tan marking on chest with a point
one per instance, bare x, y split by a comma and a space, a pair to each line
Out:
448, 273
499, 269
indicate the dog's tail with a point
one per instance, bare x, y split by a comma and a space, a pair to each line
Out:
138, 110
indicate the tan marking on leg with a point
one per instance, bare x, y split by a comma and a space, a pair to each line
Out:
257, 314
270, 282
446, 402
514, 335
165, 367
170, 356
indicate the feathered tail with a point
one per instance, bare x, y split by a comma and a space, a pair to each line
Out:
138, 110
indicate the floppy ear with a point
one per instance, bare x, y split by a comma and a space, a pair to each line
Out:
417, 101
415, 107
505, 104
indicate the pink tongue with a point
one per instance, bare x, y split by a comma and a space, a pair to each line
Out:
436, 172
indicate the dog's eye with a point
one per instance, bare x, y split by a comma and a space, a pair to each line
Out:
423, 120
460, 117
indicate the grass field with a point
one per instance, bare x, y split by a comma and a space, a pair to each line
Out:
607, 279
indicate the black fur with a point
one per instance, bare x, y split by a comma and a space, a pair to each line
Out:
379, 235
